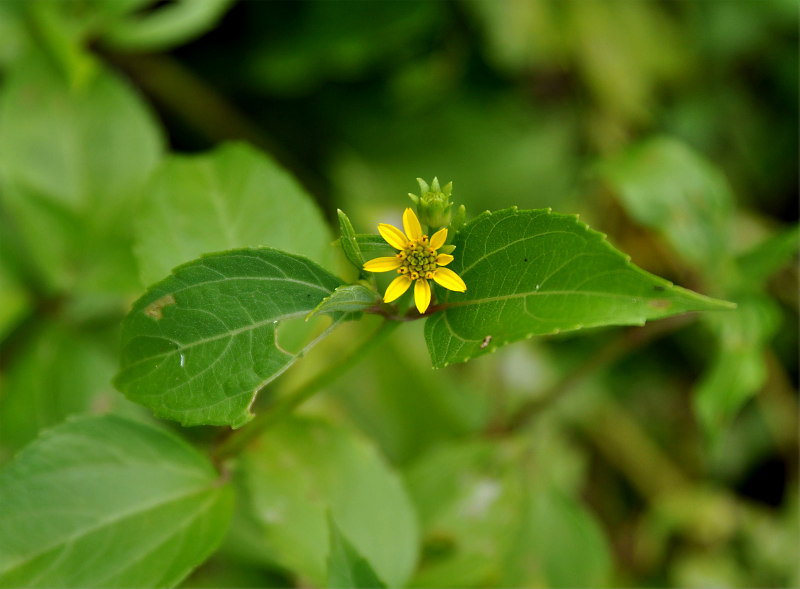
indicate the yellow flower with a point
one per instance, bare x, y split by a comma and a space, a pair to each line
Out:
417, 261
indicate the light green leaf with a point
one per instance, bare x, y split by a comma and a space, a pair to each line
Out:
769, 256
58, 372
108, 502
346, 567
535, 273
348, 240
352, 298
500, 518
199, 344
69, 176
232, 197
166, 27
666, 186
373, 246
738, 369
300, 470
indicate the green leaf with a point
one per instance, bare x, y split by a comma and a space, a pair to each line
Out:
346, 567
69, 176
666, 186
59, 371
738, 369
352, 298
535, 273
373, 246
302, 469
165, 27
232, 197
199, 344
496, 515
769, 256
348, 240
108, 502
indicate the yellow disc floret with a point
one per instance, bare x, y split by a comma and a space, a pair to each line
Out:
417, 261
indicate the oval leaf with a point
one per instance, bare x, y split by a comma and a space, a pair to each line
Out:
232, 197
346, 567
108, 502
535, 273
198, 346
300, 471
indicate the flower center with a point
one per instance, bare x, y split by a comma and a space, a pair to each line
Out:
419, 259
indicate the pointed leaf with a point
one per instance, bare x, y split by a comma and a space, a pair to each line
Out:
200, 344
348, 240
108, 502
352, 298
536, 272
346, 567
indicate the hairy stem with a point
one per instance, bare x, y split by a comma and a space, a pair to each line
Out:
235, 443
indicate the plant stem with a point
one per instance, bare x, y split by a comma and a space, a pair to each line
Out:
235, 443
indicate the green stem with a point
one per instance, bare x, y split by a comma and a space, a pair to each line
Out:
235, 443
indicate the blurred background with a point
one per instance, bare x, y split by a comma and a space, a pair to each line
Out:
660, 456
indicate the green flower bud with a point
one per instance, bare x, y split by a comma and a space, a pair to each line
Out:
433, 204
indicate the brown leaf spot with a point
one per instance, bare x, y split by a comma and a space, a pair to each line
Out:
155, 309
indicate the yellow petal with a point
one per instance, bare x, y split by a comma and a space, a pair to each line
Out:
393, 236
449, 279
443, 259
383, 264
411, 225
422, 294
439, 238
396, 288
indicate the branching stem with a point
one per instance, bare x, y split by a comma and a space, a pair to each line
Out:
235, 443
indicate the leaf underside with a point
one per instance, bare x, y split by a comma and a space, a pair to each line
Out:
536, 273
199, 344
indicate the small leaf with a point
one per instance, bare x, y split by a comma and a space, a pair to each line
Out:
738, 370
346, 567
108, 502
200, 344
348, 240
352, 298
769, 256
302, 469
232, 197
535, 273
165, 27
373, 246
666, 186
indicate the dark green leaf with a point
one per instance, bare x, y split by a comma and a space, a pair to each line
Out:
346, 567
108, 502
200, 344
535, 273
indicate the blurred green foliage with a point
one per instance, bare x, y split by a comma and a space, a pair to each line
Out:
663, 455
